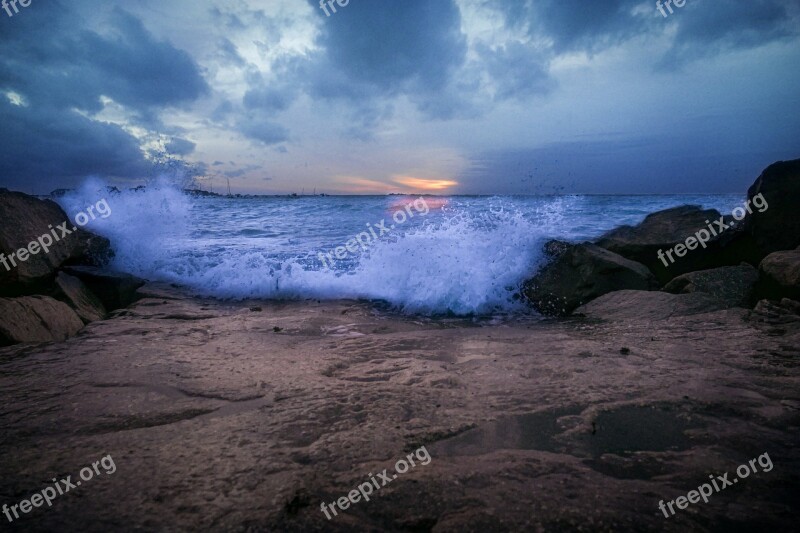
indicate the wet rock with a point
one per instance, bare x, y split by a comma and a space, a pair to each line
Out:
27, 219
36, 319
72, 290
158, 291
780, 309
778, 227
663, 230
555, 248
649, 306
581, 273
114, 289
733, 285
780, 276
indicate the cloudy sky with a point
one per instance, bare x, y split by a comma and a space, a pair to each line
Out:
448, 96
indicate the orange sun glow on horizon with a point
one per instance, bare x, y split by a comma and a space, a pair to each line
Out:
422, 184
359, 185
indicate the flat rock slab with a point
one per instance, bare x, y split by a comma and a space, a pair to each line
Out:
649, 306
246, 416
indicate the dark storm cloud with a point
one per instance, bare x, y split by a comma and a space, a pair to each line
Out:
49, 58
178, 146
58, 66
271, 98
223, 111
264, 100
42, 147
707, 29
517, 70
391, 45
704, 27
371, 52
578, 24
261, 129
238, 173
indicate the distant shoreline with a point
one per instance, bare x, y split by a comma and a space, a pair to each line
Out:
199, 193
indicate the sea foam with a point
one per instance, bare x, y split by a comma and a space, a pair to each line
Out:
457, 260
469, 255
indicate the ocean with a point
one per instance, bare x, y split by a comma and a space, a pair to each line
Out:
455, 255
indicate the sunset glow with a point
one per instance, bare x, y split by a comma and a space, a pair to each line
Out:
421, 184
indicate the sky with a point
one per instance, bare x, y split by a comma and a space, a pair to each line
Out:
437, 96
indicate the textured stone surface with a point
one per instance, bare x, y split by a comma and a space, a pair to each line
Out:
114, 289
780, 275
216, 422
733, 285
88, 307
36, 319
649, 306
24, 220
662, 231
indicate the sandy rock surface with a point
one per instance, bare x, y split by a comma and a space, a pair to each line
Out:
247, 416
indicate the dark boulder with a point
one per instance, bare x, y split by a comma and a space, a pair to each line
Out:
36, 319
114, 289
780, 276
734, 285
663, 231
778, 226
579, 274
27, 226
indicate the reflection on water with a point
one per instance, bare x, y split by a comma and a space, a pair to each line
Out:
621, 431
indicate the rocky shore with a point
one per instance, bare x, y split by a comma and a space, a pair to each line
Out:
48, 267
247, 416
732, 261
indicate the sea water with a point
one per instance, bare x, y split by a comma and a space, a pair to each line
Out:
467, 255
